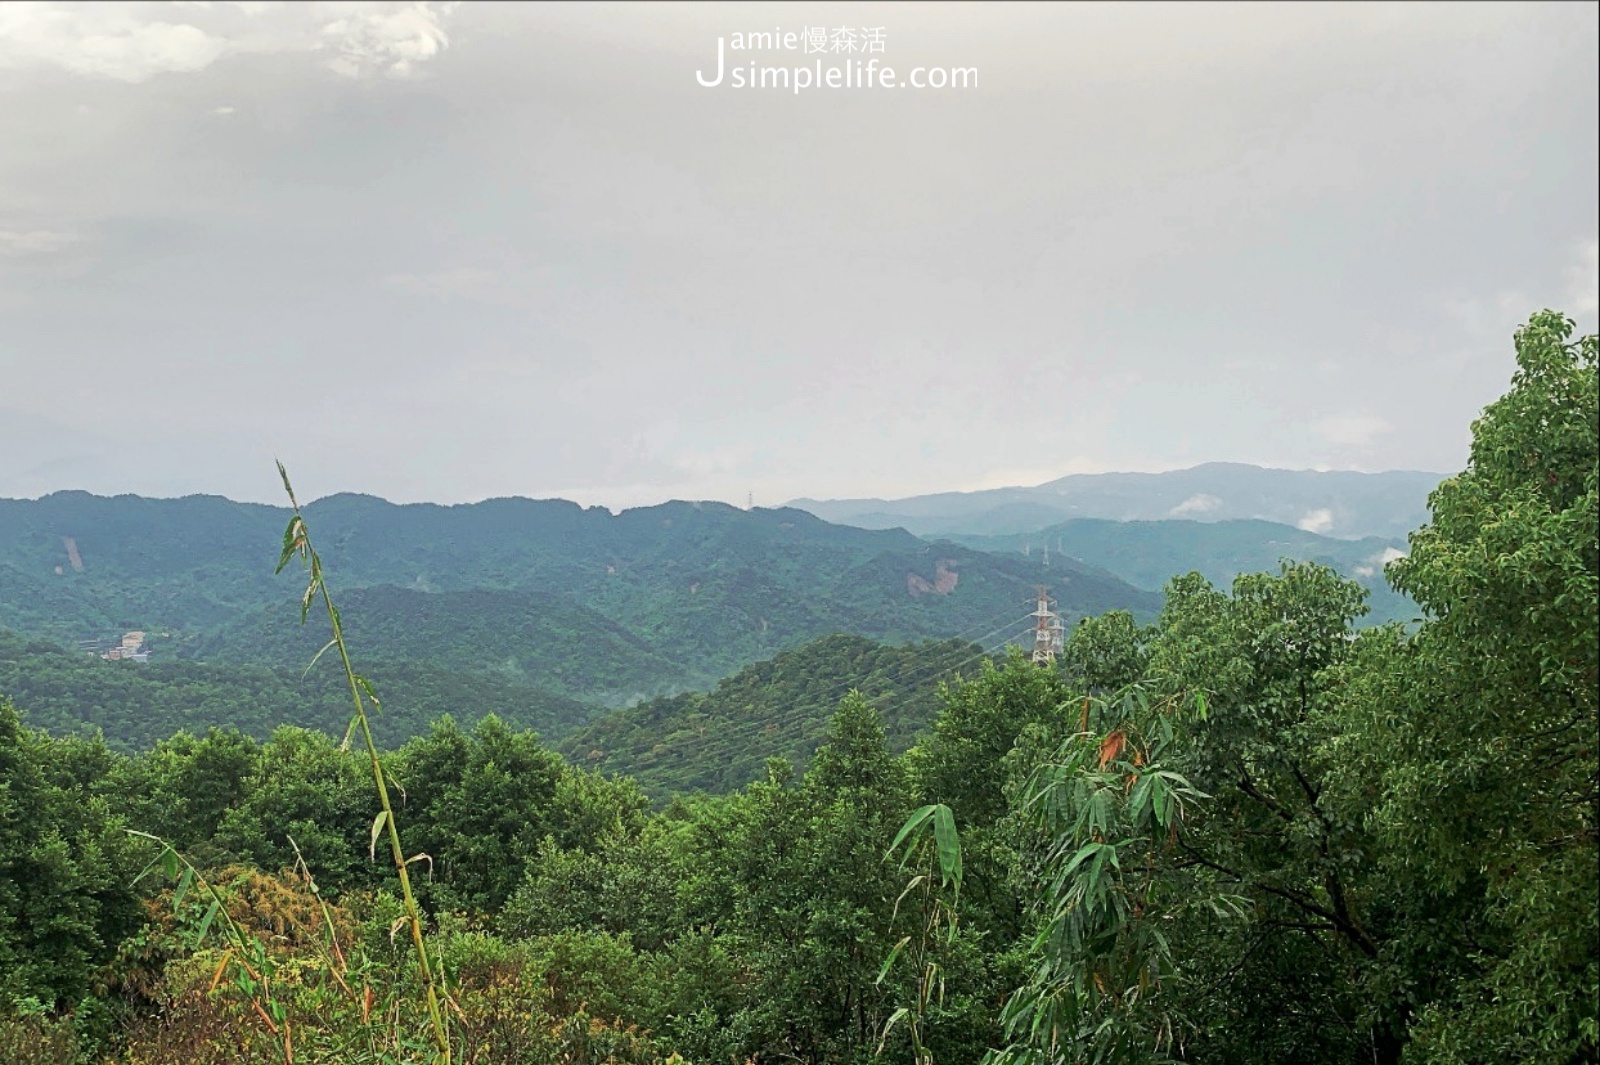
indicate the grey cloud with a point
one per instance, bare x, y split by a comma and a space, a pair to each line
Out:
547, 261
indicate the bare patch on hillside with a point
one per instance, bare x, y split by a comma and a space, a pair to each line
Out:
944, 580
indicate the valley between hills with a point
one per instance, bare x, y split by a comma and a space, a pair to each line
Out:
623, 639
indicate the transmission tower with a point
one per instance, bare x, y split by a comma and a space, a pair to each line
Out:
1047, 631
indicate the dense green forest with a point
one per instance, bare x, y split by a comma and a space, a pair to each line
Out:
720, 740
1243, 831
696, 741
134, 705
564, 601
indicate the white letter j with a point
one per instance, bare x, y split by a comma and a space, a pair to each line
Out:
701, 78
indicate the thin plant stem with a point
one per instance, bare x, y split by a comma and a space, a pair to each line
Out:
297, 541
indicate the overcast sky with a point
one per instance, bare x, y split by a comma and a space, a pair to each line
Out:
447, 252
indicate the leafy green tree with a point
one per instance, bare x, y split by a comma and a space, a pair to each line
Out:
307, 789
65, 866
1106, 653
1201, 936
1482, 751
183, 788
976, 728
480, 804
799, 891
1105, 809
962, 765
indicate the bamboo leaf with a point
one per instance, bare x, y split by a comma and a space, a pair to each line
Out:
291, 543
205, 922
284, 474
317, 657
377, 827
911, 825
949, 843
216, 977
894, 1018
888, 962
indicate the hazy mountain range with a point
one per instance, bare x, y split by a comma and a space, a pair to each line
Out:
1147, 554
547, 613
1338, 503
578, 602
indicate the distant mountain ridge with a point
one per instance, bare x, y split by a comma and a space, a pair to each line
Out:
1339, 503
572, 602
1147, 554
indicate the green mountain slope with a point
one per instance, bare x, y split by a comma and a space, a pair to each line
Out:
581, 604
135, 705
1149, 553
526, 638
719, 740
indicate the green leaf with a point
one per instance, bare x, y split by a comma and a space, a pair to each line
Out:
944, 834
888, 962
205, 922
377, 826
911, 825
291, 543
284, 474
317, 656
1077, 859
183, 887
894, 1018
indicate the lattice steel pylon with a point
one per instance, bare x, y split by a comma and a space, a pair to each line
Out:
1048, 634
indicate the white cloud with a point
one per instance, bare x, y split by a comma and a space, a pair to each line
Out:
387, 37
134, 42
1316, 521
1195, 504
1374, 565
123, 42
1352, 430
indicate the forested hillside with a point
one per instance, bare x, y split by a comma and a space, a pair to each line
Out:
1245, 833
720, 740
564, 601
137, 704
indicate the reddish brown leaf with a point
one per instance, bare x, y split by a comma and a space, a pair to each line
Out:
1112, 746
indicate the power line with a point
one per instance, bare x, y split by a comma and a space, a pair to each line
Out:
911, 697
736, 731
